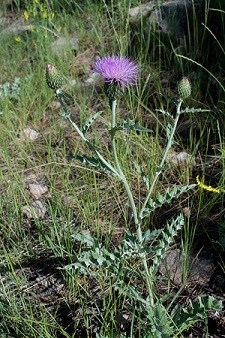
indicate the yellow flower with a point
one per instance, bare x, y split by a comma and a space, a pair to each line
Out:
31, 28
207, 187
52, 15
26, 15
18, 39
45, 14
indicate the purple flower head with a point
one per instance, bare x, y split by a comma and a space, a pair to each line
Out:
117, 70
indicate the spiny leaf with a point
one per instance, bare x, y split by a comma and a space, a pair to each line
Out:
161, 322
185, 317
128, 125
151, 235
90, 121
93, 162
166, 113
166, 198
194, 110
168, 235
129, 291
142, 174
84, 238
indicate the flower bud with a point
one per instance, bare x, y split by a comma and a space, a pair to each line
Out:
184, 88
53, 78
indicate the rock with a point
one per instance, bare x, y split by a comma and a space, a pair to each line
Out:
199, 270
17, 27
139, 12
36, 186
172, 17
36, 210
34, 178
181, 159
63, 45
93, 79
29, 134
37, 190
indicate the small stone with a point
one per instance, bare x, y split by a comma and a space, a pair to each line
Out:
63, 45
199, 270
37, 190
29, 134
181, 159
36, 210
72, 82
186, 211
31, 178
17, 27
55, 105
93, 79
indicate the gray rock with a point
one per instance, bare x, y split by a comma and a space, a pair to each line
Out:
93, 79
171, 17
174, 16
199, 270
63, 45
18, 27
137, 13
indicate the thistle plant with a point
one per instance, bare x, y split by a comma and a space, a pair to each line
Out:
119, 73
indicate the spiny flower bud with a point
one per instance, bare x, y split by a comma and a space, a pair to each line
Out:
184, 88
53, 78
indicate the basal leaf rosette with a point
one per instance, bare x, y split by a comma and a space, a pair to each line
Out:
118, 72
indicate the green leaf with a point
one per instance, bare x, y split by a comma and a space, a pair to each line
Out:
129, 291
167, 238
142, 174
151, 235
90, 121
128, 125
160, 320
84, 238
92, 162
185, 317
160, 200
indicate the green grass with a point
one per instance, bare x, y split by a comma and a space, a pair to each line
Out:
34, 252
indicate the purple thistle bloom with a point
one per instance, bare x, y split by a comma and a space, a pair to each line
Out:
117, 70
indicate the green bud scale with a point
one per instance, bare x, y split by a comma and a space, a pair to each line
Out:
111, 90
184, 88
53, 78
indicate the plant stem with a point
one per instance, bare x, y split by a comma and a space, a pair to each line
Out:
148, 274
91, 147
159, 171
118, 167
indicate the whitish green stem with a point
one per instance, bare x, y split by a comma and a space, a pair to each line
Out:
161, 165
133, 206
118, 167
91, 147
